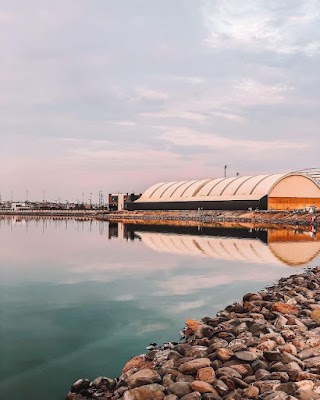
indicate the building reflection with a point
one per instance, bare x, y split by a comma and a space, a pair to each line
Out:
267, 246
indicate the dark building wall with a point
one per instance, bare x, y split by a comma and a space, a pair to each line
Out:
261, 204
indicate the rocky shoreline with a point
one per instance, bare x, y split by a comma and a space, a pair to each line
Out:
264, 218
265, 347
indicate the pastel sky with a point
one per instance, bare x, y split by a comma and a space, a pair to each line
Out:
118, 95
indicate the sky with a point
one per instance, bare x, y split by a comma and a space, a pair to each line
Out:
118, 95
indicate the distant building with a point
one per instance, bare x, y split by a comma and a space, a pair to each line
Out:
120, 201
20, 206
296, 190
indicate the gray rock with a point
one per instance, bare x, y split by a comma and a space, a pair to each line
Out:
80, 385
272, 355
170, 397
312, 362
227, 371
289, 388
180, 389
211, 396
221, 387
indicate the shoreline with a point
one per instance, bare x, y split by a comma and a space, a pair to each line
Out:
266, 346
199, 217
204, 217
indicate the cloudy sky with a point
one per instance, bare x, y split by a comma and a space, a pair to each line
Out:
118, 95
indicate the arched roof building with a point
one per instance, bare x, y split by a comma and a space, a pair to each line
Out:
274, 191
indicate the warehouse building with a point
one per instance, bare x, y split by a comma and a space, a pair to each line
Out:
297, 190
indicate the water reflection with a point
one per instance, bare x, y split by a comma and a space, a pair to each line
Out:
267, 246
75, 304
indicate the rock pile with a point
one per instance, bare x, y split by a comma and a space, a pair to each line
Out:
264, 347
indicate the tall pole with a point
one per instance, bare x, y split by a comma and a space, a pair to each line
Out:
225, 171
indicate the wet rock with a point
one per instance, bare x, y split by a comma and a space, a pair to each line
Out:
75, 396
180, 389
136, 363
103, 383
80, 385
191, 367
143, 377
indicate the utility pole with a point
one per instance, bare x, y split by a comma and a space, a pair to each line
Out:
225, 171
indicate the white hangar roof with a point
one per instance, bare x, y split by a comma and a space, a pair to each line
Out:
233, 188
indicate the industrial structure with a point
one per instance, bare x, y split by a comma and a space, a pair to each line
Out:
296, 190
120, 201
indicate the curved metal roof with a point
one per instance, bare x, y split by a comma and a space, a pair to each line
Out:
232, 188
314, 173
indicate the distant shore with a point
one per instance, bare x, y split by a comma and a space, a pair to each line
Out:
184, 217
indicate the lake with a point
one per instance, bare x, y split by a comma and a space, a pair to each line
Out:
81, 297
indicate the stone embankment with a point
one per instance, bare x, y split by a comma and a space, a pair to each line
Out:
265, 347
207, 217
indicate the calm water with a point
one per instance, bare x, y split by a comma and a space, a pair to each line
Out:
79, 298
